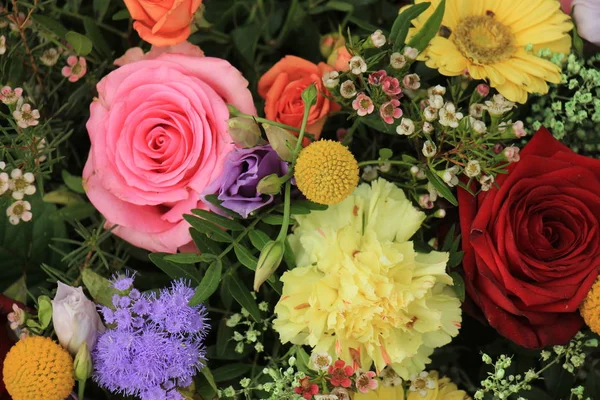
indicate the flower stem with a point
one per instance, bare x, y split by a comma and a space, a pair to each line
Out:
375, 162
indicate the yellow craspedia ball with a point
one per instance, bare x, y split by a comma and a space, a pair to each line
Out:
326, 172
590, 308
38, 368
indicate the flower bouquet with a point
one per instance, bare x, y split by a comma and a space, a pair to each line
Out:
299, 199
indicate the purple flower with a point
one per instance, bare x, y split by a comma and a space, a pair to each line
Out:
243, 169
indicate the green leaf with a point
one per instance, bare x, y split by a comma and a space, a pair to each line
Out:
173, 270
214, 200
94, 33
120, 15
288, 255
430, 29
189, 258
242, 295
224, 334
449, 239
100, 8
50, 24
206, 373
577, 42
272, 219
245, 39
302, 360
339, 6
245, 257
385, 154
221, 221
459, 285
18, 290
204, 244
63, 197
455, 259
209, 283
209, 229
44, 311
258, 238
81, 45
73, 212
231, 371
99, 287
402, 24
73, 182
440, 186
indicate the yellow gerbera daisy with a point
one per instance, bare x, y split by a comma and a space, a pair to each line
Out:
488, 38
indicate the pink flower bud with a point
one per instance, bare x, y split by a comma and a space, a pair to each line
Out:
483, 90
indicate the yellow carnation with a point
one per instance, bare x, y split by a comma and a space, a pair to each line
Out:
590, 308
489, 39
360, 291
38, 368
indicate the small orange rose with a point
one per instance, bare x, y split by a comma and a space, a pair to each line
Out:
282, 87
162, 22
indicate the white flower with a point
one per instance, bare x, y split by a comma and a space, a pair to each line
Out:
16, 318
385, 167
2, 165
25, 116
430, 113
4, 182
450, 177
422, 383
433, 193
411, 53
19, 210
357, 65
519, 129
473, 169
320, 361
476, 110
389, 377
429, 149
486, 181
406, 127
425, 202
449, 116
331, 79
10, 96
498, 105
512, 154
397, 61
2, 44
478, 125
377, 38
437, 90
325, 397
50, 57
436, 101
21, 184
40, 147
369, 173
348, 90
427, 127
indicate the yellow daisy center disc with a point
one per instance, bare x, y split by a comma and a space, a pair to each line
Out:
484, 40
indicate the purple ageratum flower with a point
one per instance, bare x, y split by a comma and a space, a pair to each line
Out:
155, 346
243, 169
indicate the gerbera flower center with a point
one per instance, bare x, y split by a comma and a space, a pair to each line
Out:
484, 40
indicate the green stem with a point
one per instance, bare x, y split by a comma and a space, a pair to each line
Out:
393, 162
101, 25
240, 237
265, 121
80, 389
286, 212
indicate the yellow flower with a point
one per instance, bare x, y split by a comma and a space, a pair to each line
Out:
360, 291
426, 386
489, 38
590, 308
38, 368
326, 172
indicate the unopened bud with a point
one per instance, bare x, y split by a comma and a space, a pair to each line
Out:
83, 363
483, 90
270, 184
244, 132
270, 258
281, 140
441, 213
330, 42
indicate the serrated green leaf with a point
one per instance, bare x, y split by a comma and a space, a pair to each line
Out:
429, 29
50, 24
120, 15
173, 270
73, 182
245, 257
258, 238
242, 295
459, 285
189, 258
230, 371
209, 284
93, 32
100, 8
221, 221
81, 45
440, 186
402, 24
209, 229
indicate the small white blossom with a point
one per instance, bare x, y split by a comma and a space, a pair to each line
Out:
450, 177
476, 110
233, 320
4, 182
369, 174
320, 361
437, 90
478, 125
433, 193
21, 184
406, 127
25, 116
357, 65
436, 101
427, 127
411, 81
486, 181
449, 116
389, 377
2, 44
430, 113
411, 53
50, 57
397, 61
10, 96
325, 397
512, 154
19, 210
377, 38
385, 167
422, 383
425, 202
473, 169
429, 149
259, 347
348, 90
331, 79
441, 213
498, 105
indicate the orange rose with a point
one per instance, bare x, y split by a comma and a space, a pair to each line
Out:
340, 59
282, 87
163, 22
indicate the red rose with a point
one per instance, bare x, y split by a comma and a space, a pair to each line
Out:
532, 247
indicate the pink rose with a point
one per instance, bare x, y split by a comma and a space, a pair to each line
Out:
159, 136
136, 53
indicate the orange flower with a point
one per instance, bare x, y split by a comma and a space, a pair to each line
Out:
340, 59
282, 87
163, 22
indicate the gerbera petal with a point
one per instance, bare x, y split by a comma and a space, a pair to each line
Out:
512, 92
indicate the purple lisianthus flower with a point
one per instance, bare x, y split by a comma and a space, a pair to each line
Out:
243, 169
